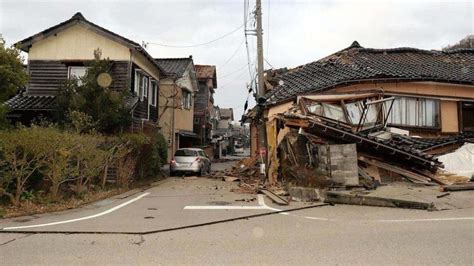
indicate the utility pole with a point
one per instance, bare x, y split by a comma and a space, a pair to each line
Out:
262, 132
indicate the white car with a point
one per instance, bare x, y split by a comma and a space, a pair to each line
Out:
190, 160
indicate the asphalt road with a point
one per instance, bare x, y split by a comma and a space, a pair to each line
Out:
184, 221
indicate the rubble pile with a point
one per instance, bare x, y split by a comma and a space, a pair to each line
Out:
342, 141
246, 172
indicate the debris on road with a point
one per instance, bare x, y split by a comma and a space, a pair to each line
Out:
274, 197
467, 186
341, 142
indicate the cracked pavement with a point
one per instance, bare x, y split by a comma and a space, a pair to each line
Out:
346, 235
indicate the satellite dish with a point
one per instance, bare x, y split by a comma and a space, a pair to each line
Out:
104, 80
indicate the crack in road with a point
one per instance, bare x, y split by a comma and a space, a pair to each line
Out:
14, 239
246, 217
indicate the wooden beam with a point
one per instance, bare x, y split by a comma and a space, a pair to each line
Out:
417, 178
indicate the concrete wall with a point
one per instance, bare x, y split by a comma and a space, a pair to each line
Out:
340, 163
77, 43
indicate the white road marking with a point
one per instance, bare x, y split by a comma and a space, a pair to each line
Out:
82, 218
426, 220
224, 207
263, 206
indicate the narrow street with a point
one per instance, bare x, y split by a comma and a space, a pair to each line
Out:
199, 220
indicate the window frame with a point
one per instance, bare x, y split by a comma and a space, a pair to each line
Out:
154, 93
69, 76
414, 112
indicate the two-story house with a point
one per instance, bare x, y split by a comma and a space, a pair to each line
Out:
204, 102
64, 50
178, 85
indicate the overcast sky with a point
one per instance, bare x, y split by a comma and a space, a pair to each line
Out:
295, 32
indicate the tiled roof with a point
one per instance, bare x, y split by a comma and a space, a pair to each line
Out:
174, 66
355, 64
79, 18
23, 103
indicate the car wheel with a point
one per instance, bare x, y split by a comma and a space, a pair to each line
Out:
201, 171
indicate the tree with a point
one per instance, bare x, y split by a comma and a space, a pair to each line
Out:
106, 107
12, 76
466, 42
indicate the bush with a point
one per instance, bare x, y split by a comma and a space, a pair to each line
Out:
83, 103
67, 163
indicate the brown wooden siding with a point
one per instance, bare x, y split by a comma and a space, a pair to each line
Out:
120, 75
46, 77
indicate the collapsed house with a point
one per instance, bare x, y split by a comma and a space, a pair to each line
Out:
364, 117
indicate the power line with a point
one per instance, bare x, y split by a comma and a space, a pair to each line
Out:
233, 54
233, 72
268, 63
234, 79
200, 44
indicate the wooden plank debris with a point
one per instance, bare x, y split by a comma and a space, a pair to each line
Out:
467, 186
415, 178
274, 197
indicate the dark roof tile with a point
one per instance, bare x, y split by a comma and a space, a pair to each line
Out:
356, 63
174, 66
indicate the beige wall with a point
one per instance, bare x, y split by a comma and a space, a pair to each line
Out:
416, 88
77, 43
449, 117
145, 64
183, 118
278, 109
449, 94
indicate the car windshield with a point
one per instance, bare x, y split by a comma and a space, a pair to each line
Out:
185, 153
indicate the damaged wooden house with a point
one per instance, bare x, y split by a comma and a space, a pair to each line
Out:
364, 116
64, 50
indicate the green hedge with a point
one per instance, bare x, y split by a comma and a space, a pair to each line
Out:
69, 163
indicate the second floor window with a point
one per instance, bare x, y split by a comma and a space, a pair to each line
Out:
186, 99
77, 72
154, 90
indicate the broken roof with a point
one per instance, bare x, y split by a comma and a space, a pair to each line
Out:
356, 64
207, 72
78, 18
227, 113
174, 66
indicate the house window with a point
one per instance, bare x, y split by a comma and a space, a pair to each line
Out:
154, 90
138, 88
77, 72
145, 81
197, 120
186, 99
414, 112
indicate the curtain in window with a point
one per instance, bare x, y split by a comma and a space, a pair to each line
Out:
415, 112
